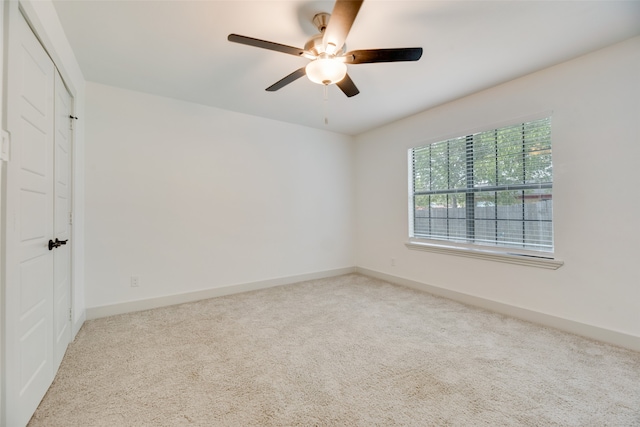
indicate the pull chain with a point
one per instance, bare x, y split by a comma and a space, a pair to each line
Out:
325, 103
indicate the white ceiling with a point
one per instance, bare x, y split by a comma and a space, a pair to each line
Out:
179, 49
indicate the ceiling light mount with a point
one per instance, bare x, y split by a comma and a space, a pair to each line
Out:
321, 20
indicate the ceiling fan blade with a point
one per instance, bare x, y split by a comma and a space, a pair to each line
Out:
250, 41
285, 81
347, 86
383, 55
342, 17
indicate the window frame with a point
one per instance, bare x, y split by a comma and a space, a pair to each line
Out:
463, 247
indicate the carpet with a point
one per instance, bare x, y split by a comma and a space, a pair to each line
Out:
343, 351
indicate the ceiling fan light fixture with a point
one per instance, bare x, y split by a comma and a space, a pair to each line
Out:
327, 50
326, 70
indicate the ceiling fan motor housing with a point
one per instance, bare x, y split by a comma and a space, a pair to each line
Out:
315, 44
316, 47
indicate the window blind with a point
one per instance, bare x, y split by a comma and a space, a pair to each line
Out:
489, 188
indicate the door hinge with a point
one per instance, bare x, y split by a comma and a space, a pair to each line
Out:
5, 150
70, 218
70, 315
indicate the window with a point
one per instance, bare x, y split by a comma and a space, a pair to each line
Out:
490, 188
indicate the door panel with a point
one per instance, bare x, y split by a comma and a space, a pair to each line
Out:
34, 210
35, 140
33, 280
34, 356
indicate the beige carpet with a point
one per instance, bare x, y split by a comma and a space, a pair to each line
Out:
345, 351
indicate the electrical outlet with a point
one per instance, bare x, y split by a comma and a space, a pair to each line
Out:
393, 262
135, 281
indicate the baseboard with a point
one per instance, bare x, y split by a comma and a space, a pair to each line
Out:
147, 304
589, 331
78, 324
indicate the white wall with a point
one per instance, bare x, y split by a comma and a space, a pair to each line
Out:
192, 197
595, 101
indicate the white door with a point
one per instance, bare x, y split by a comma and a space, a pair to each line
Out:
31, 330
62, 226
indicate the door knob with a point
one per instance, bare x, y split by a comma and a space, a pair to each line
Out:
57, 243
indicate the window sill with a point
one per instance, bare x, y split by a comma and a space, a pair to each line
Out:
531, 261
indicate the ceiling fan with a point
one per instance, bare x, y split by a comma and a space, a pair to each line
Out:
327, 50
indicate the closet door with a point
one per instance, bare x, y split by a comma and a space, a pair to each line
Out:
29, 327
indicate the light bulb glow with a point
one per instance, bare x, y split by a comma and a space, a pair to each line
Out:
326, 70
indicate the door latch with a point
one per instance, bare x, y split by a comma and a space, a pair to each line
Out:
5, 146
